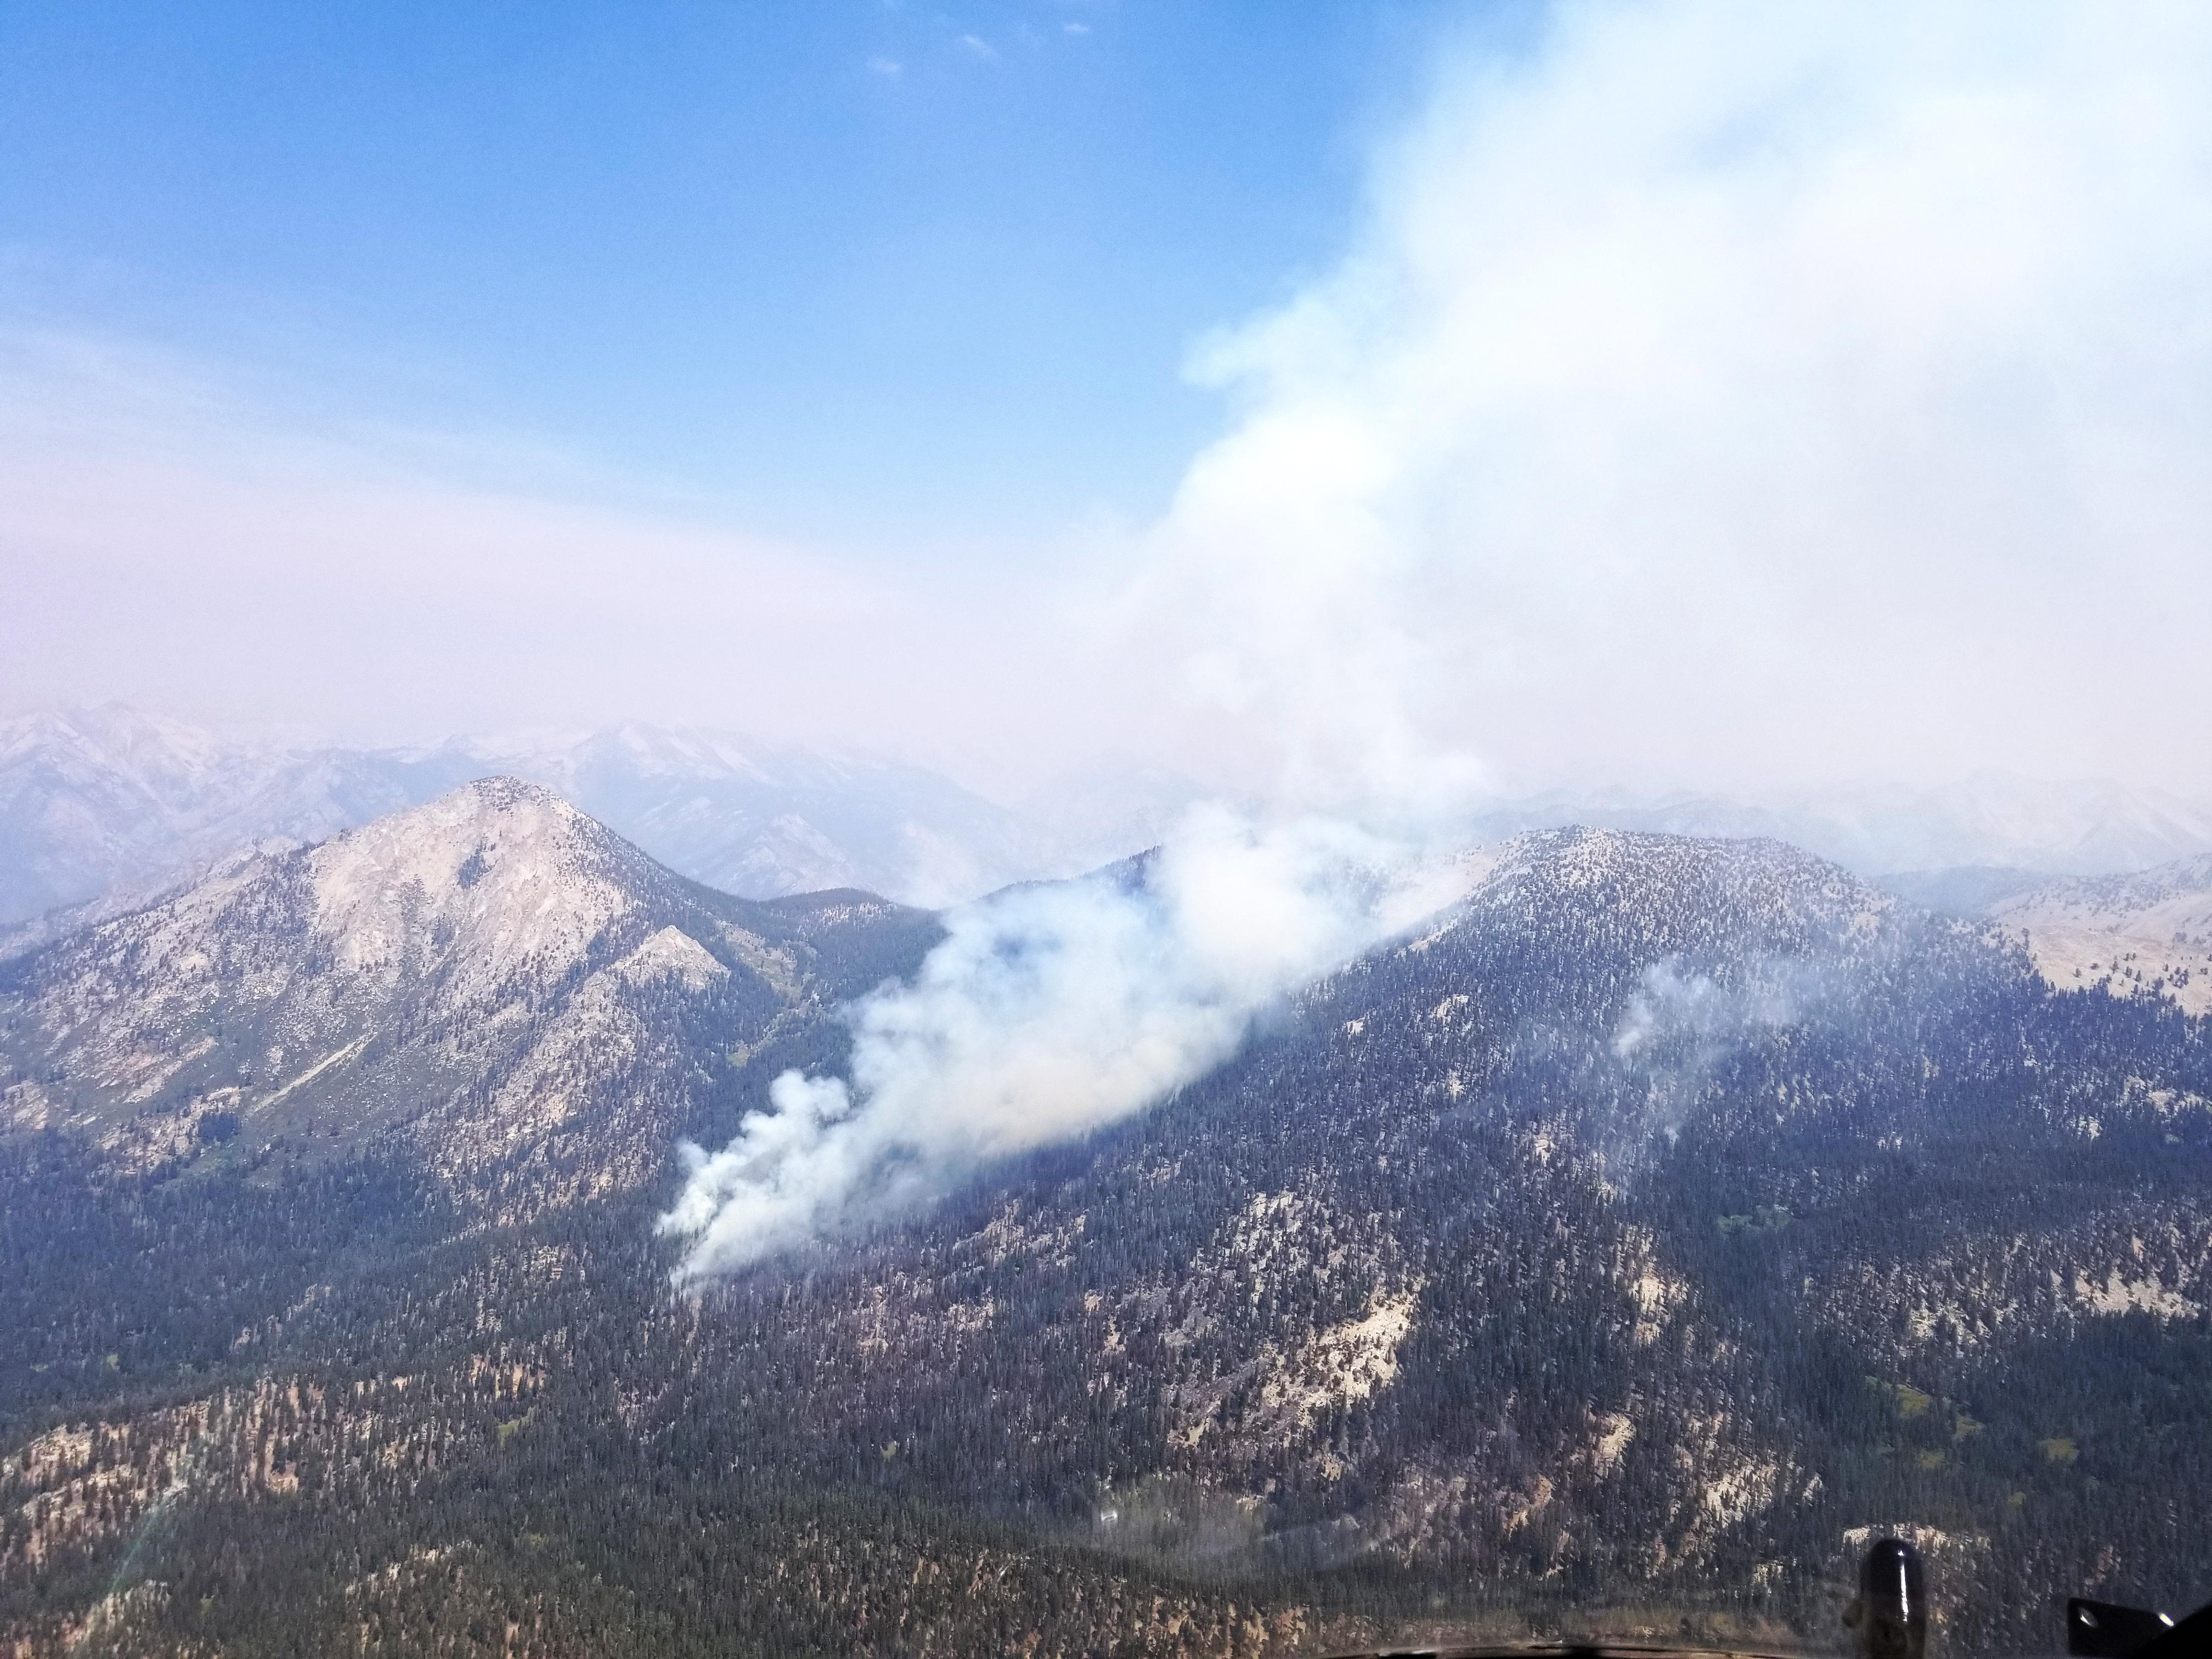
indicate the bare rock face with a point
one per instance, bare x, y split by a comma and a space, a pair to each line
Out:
1644, 1226
493, 976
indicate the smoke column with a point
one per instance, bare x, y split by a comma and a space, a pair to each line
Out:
1047, 1011
1704, 375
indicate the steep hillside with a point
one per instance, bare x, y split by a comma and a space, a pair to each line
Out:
2148, 934
470, 976
1650, 1222
1616, 1248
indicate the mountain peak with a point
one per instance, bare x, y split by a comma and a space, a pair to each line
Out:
1750, 888
483, 815
471, 973
498, 872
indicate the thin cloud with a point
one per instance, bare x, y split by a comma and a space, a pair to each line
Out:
164, 541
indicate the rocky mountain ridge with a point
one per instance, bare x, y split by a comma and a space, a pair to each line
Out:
1635, 1232
473, 972
111, 801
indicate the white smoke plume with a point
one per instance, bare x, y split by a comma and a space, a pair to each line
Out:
1718, 393
1712, 379
1705, 1018
1678, 1028
1048, 1011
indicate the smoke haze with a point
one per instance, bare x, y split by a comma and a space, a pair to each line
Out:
1737, 392
1710, 394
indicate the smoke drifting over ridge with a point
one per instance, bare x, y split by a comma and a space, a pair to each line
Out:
1717, 375
1680, 1027
1050, 1010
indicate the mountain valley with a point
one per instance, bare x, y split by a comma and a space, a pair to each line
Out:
2148, 933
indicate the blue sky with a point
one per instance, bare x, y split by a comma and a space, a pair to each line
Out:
1700, 394
842, 268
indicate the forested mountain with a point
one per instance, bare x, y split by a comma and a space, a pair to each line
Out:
1619, 1244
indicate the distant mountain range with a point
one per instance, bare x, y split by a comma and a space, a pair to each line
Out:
1634, 1237
114, 805
101, 809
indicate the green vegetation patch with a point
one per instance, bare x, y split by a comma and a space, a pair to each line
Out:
1763, 1218
1911, 1402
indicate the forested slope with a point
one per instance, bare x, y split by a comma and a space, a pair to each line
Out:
1624, 1241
